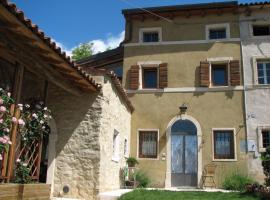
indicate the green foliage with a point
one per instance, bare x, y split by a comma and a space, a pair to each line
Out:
266, 165
142, 179
131, 161
237, 182
82, 51
22, 173
5, 120
142, 194
36, 117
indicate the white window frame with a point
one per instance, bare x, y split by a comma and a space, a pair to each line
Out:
116, 146
260, 138
152, 29
216, 26
219, 60
255, 61
145, 64
213, 146
258, 23
126, 151
138, 144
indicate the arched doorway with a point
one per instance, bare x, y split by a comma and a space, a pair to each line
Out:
183, 152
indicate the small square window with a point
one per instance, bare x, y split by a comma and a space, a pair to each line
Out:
150, 77
219, 75
219, 33
150, 37
266, 138
148, 144
224, 144
263, 72
261, 30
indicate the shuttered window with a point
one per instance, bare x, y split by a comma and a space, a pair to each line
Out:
163, 75
204, 74
219, 75
134, 77
148, 144
235, 72
150, 77
224, 144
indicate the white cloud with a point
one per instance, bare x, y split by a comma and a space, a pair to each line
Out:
99, 45
111, 42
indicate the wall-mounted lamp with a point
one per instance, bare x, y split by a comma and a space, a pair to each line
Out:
183, 108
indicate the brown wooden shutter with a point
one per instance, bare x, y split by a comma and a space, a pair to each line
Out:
235, 72
163, 75
134, 77
204, 74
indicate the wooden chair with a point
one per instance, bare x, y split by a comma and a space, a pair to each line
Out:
209, 173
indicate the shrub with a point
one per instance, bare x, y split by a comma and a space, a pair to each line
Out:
266, 165
131, 161
142, 179
236, 181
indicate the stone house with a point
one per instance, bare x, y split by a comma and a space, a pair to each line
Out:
90, 130
255, 35
189, 58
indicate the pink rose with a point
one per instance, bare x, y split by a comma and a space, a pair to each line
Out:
1, 121
2, 140
21, 122
3, 109
14, 120
1, 158
6, 130
1, 101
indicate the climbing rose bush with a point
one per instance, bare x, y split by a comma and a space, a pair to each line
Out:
5, 120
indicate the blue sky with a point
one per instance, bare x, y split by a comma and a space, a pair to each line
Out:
71, 22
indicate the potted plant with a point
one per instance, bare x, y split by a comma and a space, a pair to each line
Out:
132, 162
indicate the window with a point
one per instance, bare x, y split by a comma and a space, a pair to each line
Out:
265, 138
148, 144
223, 144
150, 77
126, 148
219, 33
219, 74
150, 37
261, 30
263, 70
116, 141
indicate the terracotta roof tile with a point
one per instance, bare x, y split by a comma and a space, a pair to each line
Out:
19, 14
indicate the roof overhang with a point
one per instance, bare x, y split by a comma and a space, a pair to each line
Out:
24, 41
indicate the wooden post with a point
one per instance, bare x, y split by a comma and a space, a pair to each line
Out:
13, 138
17, 87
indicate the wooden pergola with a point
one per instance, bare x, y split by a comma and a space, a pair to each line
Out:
27, 48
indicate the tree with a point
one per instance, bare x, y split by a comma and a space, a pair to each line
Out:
82, 51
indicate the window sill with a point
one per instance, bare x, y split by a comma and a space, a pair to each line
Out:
260, 37
218, 40
224, 160
148, 158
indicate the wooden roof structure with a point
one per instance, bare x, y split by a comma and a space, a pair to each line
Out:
22, 41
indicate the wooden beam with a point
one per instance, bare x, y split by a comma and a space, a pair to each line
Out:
17, 87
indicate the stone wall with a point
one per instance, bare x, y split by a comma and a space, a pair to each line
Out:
257, 97
77, 148
85, 127
115, 117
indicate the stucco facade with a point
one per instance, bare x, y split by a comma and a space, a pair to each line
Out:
83, 133
184, 45
257, 97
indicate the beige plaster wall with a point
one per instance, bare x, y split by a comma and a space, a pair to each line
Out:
211, 110
222, 109
183, 60
183, 28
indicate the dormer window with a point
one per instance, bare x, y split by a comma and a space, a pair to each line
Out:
261, 30
150, 35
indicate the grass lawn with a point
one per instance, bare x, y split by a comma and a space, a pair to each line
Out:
170, 195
